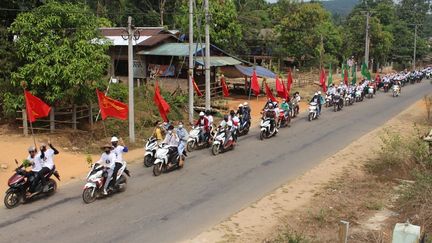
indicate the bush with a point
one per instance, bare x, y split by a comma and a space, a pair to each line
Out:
289, 236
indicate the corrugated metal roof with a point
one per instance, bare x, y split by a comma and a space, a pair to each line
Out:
171, 49
218, 61
156, 39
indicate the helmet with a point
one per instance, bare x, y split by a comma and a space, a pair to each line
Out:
241, 105
316, 93
32, 149
245, 104
319, 92
226, 117
207, 112
270, 105
171, 127
201, 113
232, 112
114, 139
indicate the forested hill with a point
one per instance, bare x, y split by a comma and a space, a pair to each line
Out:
340, 7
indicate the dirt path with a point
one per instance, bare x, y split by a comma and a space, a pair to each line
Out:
258, 221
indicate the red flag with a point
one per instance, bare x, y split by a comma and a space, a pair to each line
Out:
35, 107
255, 85
196, 88
111, 108
289, 81
346, 76
280, 89
163, 106
269, 93
224, 87
323, 80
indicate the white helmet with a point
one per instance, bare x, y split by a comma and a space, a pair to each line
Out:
319, 92
241, 105
201, 113
316, 93
245, 104
114, 139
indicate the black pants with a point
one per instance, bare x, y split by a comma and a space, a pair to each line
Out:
114, 175
39, 176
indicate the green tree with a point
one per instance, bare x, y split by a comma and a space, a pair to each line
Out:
62, 53
225, 29
303, 27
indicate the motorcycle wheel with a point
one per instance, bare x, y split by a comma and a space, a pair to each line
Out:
157, 170
190, 146
262, 135
87, 195
215, 149
53, 183
148, 160
122, 177
310, 116
12, 199
335, 107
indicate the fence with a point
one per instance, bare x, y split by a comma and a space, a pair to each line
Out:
60, 118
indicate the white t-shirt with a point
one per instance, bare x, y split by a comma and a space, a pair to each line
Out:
36, 162
108, 160
118, 151
210, 119
48, 161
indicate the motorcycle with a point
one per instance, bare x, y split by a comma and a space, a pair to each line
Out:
329, 100
96, 180
20, 182
295, 108
194, 140
166, 155
337, 103
348, 99
150, 151
284, 119
396, 90
219, 144
358, 96
244, 127
313, 111
386, 87
266, 130
370, 92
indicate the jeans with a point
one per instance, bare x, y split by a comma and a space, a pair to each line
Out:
181, 147
116, 169
107, 181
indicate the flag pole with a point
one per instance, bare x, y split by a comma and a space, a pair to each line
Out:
106, 93
32, 133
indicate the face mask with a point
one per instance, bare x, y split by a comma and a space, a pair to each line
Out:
170, 132
180, 126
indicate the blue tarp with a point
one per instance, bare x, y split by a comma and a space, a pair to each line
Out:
260, 71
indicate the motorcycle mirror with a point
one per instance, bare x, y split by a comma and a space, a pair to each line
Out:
16, 162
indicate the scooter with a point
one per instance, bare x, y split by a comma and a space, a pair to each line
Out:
167, 159
96, 180
150, 151
284, 119
194, 140
220, 144
396, 90
244, 127
266, 130
313, 111
20, 182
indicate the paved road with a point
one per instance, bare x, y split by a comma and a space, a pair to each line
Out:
181, 204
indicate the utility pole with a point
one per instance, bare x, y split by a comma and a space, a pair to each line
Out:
415, 47
191, 62
367, 40
207, 55
130, 82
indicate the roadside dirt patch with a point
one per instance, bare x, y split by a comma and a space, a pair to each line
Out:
312, 204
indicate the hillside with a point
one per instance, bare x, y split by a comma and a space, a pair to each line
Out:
341, 7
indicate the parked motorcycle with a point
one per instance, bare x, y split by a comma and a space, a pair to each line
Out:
219, 144
195, 139
96, 179
313, 111
20, 182
150, 151
396, 90
266, 130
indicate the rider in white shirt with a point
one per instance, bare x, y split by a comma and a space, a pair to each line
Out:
118, 151
47, 160
107, 159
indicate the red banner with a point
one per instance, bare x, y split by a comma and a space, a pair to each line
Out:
162, 105
111, 108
